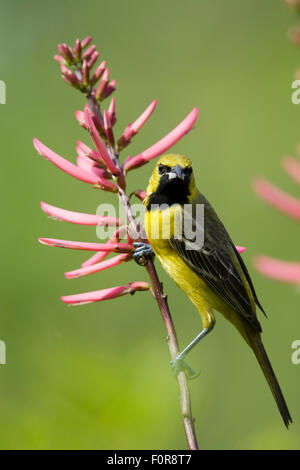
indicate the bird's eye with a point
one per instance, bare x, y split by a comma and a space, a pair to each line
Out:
163, 169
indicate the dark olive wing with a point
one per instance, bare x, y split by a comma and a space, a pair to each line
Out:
213, 263
247, 275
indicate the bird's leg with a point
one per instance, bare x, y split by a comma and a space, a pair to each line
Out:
143, 251
179, 364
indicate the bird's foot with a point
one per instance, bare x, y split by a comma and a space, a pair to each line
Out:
143, 252
179, 365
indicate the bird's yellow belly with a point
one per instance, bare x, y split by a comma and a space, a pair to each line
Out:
204, 299
184, 277
194, 287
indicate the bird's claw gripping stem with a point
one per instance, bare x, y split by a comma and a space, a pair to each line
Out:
143, 251
179, 365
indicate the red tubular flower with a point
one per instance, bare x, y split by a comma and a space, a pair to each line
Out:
99, 164
278, 270
90, 153
65, 165
112, 112
164, 144
102, 150
281, 201
96, 267
98, 72
132, 129
292, 167
79, 217
80, 118
108, 128
110, 247
100, 255
85, 42
105, 294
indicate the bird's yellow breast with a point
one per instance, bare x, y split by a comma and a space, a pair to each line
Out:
160, 226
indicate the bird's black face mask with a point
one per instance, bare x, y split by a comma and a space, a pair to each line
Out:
173, 186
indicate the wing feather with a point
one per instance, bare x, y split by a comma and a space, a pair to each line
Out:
218, 264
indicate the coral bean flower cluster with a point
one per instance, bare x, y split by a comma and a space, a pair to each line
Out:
99, 165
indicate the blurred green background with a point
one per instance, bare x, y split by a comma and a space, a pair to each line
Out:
98, 376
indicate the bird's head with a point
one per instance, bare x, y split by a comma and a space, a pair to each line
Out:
172, 182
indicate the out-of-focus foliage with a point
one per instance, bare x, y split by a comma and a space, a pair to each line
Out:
98, 376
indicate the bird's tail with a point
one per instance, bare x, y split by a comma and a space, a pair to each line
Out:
261, 356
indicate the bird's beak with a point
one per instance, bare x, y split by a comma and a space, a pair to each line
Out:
176, 172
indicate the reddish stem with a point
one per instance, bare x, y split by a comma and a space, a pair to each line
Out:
185, 398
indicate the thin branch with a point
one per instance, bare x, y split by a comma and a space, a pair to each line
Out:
185, 398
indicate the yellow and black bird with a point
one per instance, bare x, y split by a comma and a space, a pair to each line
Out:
203, 261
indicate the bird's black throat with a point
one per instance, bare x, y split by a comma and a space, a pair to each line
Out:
175, 191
